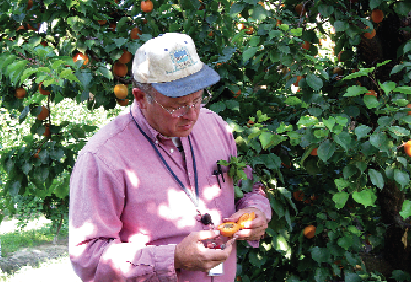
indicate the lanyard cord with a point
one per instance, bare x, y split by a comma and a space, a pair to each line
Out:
194, 200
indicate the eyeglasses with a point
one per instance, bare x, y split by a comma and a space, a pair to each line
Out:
183, 110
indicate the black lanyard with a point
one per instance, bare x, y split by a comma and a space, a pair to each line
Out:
189, 194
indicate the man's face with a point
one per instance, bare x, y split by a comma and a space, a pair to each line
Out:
168, 125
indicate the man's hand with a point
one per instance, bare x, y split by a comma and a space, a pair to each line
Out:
253, 230
191, 254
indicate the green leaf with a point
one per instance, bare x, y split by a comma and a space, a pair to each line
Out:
256, 259
406, 119
26, 167
284, 27
218, 107
380, 141
403, 90
402, 7
292, 101
387, 87
274, 33
376, 178
356, 90
315, 112
401, 177
341, 183
349, 170
406, 209
232, 105
385, 121
314, 81
400, 102
361, 166
366, 197
371, 101
296, 31
362, 131
249, 53
265, 139
401, 276
407, 47
340, 199
326, 150
344, 140
351, 277
345, 242
320, 255
399, 131
340, 25
259, 13
330, 122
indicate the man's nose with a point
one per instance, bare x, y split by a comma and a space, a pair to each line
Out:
191, 113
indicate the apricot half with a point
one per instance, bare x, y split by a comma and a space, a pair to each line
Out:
227, 229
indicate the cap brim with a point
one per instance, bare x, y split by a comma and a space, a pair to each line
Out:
190, 84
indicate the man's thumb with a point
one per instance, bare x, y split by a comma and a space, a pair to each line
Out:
208, 234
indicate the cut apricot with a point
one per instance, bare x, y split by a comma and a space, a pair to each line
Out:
228, 229
246, 217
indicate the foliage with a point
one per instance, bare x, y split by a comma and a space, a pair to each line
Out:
288, 101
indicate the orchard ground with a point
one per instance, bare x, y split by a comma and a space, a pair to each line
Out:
46, 262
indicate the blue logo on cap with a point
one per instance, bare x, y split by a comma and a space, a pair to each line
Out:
181, 59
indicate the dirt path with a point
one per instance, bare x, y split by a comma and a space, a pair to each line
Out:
43, 263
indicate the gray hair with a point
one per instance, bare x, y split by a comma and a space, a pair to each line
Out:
146, 88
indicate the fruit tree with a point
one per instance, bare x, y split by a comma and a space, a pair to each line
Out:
315, 92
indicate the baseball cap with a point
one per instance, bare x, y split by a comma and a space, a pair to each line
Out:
171, 64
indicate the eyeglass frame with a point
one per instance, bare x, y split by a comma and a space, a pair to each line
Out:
189, 106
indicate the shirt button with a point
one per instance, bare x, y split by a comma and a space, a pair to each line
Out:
172, 150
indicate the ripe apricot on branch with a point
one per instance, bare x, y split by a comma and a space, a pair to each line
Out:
227, 229
250, 30
300, 9
43, 91
314, 152
370, 35
371, 92
309, 231
306, 45
298, 195
377, 15
36, 155
120, 69
121, 91
80, 56
47, 132
146, 6
134, 33
123, 102
409, 107
407, 148
44, 113
125, 58
20, 93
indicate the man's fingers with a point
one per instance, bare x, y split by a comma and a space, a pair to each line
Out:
206, 234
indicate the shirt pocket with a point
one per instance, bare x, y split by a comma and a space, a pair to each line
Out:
220, 194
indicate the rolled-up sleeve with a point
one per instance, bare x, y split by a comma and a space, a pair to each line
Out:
97, 199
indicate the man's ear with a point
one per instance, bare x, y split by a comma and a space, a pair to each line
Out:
140, 97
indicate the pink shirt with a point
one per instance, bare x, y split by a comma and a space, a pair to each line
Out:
127, 212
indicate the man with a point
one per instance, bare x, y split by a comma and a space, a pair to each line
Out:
146, 190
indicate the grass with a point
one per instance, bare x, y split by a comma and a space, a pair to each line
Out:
35, 234
19, 239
